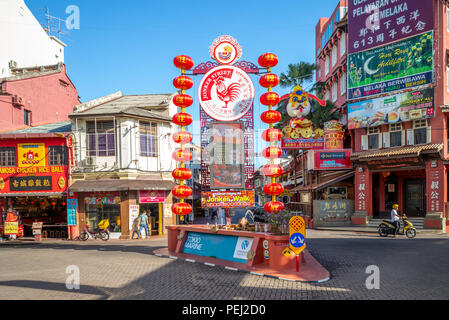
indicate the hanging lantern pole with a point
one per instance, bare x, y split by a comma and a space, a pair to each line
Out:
183, 119
272, 135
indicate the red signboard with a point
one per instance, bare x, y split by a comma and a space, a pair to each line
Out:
151, 196
228, 199
331, 159
34, 166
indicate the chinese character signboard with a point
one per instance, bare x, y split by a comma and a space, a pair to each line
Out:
377, 23
31, 183
332, 212
227, 199
435, 183
31, 154
401, 107
362, 190
398, 66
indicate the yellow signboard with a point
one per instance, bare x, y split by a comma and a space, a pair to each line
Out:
297, 231
31, 155
11, 228
287, 252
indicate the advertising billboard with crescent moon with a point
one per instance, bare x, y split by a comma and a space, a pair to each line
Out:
402, 65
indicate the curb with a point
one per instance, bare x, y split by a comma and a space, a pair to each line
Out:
238, 270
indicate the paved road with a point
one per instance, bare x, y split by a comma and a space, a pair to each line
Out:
409, 269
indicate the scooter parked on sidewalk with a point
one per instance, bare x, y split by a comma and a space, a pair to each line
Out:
101, 233
406, 227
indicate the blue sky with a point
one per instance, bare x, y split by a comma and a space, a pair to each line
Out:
130, 45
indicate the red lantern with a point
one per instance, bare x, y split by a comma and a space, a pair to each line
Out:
343, 68
273, 189
272, 152
182, 155
271, 116
182, 174
182, 137
183, 62
182, 119
183, 83
333, 79
274, 207
268, 60
181, 209
183, 100
182, 192
339, 73
269, 80
270, 99
272, 170
271, 135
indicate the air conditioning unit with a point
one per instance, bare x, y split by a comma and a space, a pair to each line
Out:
90, 161
13, 64
18, 101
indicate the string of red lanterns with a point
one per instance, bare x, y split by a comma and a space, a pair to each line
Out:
182, 137
272, 135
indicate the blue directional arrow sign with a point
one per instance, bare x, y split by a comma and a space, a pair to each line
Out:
297, 240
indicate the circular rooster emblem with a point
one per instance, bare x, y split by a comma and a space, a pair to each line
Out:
226, 93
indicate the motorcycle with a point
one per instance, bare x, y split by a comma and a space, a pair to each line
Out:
101, 233
405, 228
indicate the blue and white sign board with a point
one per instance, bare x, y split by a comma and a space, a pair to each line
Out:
218, 246
72, 205
297, 240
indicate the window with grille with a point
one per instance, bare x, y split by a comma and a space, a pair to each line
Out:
342, 44
148, 134
420, 131
326, 65
101, 138
343, 84
373, 138
334, 55
8, 157
57, 155
395, 135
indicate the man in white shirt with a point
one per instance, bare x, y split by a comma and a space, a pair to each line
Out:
395, 218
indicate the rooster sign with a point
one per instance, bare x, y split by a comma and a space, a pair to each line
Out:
226, 93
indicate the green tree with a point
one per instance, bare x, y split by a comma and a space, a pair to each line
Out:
297, 75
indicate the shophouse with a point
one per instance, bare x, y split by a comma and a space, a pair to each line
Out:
123, 161
34, 86
398, 110
34, 176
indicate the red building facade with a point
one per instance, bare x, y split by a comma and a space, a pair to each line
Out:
406, 161
36, 96
34, 176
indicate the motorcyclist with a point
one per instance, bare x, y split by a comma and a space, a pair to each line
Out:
395, 218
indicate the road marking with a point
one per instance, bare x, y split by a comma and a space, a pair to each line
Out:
233, 269
257, 274
172, 257
209, 264
190, 260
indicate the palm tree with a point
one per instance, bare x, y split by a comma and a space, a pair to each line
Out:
297, 74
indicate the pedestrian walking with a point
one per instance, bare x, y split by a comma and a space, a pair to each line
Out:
135, 228
143, 222
149, 223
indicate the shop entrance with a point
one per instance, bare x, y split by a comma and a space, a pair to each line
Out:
52, 211
415, 197
154, 208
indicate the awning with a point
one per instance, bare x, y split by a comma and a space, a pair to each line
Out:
325, 184
120, 185
399, 152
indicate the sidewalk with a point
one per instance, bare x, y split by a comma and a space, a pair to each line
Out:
368, 229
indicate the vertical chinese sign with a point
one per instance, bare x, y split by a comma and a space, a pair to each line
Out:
362, 191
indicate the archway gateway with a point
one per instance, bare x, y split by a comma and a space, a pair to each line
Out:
226, 96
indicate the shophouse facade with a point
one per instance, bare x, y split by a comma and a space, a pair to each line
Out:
34, 177
401, 155
123, 163
34, 86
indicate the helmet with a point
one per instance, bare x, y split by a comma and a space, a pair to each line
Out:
395, 206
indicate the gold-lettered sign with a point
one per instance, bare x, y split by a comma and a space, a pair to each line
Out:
31, 183
11, 228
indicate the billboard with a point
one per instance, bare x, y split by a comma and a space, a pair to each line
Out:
228, 199
378, 23
412, 105
330, 159
402, 65
227, 153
